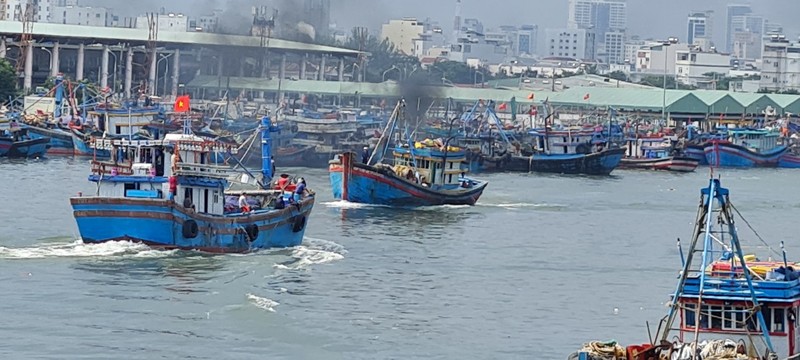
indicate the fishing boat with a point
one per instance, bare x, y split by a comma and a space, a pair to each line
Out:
566, 152
745, 148
60, 140
733, 308
111, 123
421, 175
329, 131
656, 154
18, 143
183, 202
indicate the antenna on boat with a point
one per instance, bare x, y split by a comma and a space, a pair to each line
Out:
783, 250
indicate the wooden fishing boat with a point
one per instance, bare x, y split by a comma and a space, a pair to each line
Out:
656, 154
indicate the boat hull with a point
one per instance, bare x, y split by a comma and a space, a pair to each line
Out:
789, 161
601, 163
670, 163
82, 148
365, 184
696, 152
725, 154
24, 148
163, 224
60, 140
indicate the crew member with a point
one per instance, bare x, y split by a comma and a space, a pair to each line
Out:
300, 190
243, 203
365, 155
173, 187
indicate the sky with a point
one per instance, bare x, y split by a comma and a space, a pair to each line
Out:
657, 19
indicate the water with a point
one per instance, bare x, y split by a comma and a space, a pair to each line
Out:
539, 266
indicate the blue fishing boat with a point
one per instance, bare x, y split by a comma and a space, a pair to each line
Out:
567, 152
60, 140
789, 161
734, 308
112, 123
656, 153
19, 144
745, 148
180, 201
422, 175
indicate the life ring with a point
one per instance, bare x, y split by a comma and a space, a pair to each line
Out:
299, 223
252, 231
190, 229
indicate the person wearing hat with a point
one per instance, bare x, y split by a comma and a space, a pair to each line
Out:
365, 155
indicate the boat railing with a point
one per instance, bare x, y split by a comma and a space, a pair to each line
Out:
207, 146
111, 168
109, 144
203, 170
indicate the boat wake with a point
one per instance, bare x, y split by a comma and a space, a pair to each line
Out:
78, 249
313, 252
342, 204
262, 302
523, 205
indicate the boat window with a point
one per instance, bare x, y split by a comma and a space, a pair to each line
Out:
689, 315
767, 317
778, 320
715, 312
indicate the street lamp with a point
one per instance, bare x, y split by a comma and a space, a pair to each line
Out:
664, 46
51, 59
166, 69
114, 78
394, 67
483, 78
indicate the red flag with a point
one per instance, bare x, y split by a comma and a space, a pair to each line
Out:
502, 106
182, 104
530, 97
586, 97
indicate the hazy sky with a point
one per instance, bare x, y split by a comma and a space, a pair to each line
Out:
648, 18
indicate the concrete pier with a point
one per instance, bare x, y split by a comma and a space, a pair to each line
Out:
79, 63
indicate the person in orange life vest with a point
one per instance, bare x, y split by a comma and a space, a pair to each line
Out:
173, 187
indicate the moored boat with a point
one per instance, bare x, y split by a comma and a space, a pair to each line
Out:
733, 308
22, 145
656, 154
566, 152
181, 202
60, 140
745, 148
420, 176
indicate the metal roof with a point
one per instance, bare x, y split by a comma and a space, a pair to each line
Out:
51, 30
386, 89
720, 102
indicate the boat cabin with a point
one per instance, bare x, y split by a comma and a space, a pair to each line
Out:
649, 148
126, 121
759, 141
725, 311
436, 165
567, 142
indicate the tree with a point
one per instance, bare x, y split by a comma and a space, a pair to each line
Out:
8, 80
658, 81
618, 75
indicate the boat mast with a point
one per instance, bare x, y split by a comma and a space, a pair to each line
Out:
714, 200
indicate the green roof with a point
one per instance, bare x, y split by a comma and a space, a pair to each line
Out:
719, 102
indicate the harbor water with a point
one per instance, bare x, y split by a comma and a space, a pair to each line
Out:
541, 265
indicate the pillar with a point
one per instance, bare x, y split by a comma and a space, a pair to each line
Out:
128, 72
282, 70
341, 69
79, 64
3, 48
220, 68
303, 67
321, 72
176, 70
28, 79
104, 68
55, 59
151, 81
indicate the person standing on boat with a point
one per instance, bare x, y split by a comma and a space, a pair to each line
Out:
173, 187
300, 190
365, 155
272, 163
14, 126
243, 203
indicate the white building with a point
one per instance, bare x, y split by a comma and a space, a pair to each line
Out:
700, 27
473, 48
206, 23
574, 43
15, 10
747, 32
601, 17
780, 68
525, 40
614, 47
657, 58
164, 22
402, 33
692, 65
430, 39
81, 15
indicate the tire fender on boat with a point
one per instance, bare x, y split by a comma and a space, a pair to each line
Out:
252, 232
190, 229
299, 223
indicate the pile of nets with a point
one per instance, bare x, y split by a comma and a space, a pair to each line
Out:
608, 350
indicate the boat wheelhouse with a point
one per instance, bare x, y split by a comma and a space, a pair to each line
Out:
745, 148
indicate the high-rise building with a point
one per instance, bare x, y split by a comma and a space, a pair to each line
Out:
700, 26
614, 46
747, 36
525, 40
403, 33
601, 17
733, 11
574, 43
14, 10
781, 65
